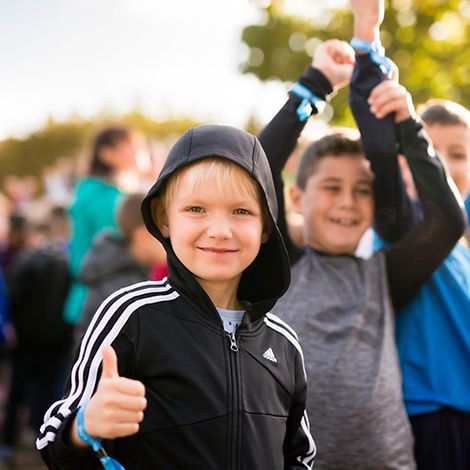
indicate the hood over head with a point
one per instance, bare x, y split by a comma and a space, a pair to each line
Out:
268, 277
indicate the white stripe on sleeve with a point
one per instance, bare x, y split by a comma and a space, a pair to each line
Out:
110, 318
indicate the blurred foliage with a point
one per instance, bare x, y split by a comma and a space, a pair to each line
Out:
428, 41
29, 156
253, 125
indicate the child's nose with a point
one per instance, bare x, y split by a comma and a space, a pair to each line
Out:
219, 229
347, 198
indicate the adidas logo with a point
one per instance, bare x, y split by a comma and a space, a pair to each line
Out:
269, 355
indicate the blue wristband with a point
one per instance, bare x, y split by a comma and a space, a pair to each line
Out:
309, 101
106, 461
376, 53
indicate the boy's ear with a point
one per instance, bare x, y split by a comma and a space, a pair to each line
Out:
266, 234
160, 218
296, 195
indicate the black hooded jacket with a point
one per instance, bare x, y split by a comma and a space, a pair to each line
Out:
214, 402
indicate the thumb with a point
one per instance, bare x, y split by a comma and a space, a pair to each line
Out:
110, 363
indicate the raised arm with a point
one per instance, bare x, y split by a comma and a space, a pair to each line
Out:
394, 210
331, 68
412, 260
426, 246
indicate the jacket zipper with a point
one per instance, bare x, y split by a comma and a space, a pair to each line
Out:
233, 342
234, 374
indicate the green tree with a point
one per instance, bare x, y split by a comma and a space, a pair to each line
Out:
428, 41
30, 155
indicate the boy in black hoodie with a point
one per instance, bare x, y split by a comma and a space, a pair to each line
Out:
193, 372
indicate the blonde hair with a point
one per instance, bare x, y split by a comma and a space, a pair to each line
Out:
229, 178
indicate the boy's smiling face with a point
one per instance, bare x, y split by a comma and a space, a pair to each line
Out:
337, 204
452, 143
215, 232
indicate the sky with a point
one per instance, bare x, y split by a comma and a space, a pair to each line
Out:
170, 58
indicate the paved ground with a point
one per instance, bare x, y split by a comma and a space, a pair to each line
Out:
25, 457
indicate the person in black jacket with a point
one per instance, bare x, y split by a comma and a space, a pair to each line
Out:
37, 287
193, 371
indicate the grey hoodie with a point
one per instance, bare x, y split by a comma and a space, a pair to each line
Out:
107, 267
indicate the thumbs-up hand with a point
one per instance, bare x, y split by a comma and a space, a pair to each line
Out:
118, 405
110, 363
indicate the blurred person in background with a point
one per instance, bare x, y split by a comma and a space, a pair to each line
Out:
5, 321
15, 242
37, 286
433, 331
112, 166
7, 336
118, 260
6, 329
4, 220
448, 126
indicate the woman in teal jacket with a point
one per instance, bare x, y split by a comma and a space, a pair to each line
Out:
96, 196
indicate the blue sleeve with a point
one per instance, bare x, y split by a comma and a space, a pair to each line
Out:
467, 209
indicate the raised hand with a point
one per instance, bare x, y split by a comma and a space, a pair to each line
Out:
118, 405
335, 59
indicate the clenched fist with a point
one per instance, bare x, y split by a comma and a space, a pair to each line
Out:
335, 59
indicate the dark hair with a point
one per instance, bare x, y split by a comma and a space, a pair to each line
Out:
59, 212
444, 112
107, 137
332, 145
129, 215
17, 221
18, 226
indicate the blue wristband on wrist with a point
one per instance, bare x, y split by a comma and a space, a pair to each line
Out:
106, 461
376, 53
309, 102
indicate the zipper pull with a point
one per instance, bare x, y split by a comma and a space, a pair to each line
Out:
233, 342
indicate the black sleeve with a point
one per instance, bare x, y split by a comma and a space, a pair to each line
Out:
53, 440
420, 250
65, 455
279, 139
428, 244
394, 210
